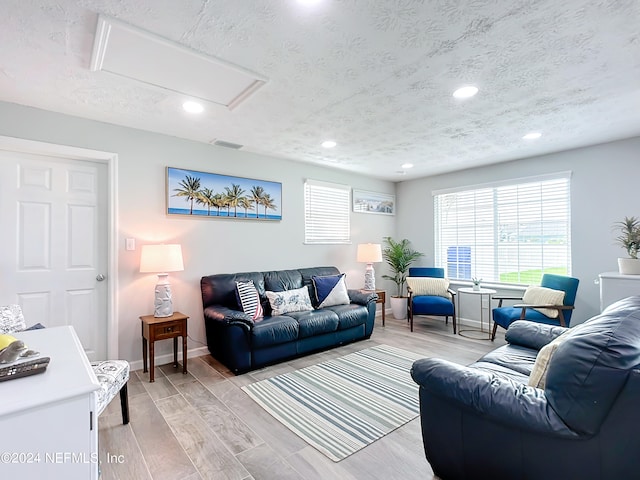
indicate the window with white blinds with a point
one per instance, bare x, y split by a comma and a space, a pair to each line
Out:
326, 212
507, 232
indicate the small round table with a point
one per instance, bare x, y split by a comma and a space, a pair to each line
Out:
478, 334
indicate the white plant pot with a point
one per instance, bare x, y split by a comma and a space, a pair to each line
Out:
629, 266
399, 307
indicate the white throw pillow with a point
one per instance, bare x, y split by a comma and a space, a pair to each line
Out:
538, 376
429, 286
289, 301
544, 296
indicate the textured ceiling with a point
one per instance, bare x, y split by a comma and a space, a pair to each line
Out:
376, 76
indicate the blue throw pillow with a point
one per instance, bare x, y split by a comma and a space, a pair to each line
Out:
331, 290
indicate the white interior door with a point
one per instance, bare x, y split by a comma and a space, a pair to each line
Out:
53, 250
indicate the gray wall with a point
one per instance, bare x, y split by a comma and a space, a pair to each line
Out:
209, 245
604, 189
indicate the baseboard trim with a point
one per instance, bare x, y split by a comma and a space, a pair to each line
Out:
168, 357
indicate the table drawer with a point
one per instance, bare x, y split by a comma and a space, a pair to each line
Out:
168, 330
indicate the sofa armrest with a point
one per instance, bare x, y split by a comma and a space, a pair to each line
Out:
362, 297
532, 334
225, 315
489, 396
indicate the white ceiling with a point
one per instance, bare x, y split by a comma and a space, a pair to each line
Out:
376, 76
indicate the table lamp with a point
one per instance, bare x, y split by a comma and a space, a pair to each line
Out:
162, 259
369, 253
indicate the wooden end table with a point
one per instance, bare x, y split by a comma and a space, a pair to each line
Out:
382, 298
163, 328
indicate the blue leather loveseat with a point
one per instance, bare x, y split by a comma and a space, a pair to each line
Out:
485, 421
243, 344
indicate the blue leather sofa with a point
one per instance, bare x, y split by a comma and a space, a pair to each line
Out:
242, 344
484, 421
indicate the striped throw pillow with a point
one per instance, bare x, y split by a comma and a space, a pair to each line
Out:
249, 299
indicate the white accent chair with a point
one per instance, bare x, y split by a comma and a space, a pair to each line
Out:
112, 375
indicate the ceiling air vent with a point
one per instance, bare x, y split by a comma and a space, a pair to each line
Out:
222, 143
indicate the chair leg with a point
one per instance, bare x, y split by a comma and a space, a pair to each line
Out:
493, 333
124, 404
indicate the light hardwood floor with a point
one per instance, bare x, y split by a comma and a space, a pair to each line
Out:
203, 426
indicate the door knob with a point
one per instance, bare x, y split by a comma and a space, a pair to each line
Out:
100, 277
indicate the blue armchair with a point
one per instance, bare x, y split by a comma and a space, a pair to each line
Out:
505, 316
442, 303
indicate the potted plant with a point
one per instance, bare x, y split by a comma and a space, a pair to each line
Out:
629, 239
399, 256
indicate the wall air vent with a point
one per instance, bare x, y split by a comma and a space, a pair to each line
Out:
134, 54
222, 143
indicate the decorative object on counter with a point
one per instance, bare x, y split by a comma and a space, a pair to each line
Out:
629, 239
162, 259
369, 253
399, 256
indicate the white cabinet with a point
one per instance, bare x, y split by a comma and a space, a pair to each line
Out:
48, 427
615, 286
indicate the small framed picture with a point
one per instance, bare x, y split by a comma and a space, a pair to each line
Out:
373, 202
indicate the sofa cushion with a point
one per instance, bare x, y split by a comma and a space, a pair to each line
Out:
280, 280
350, 315
592, 365
544, 296
273, 331
515, 357
330, 290
315, 322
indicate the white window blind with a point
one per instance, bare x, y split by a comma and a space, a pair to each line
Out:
326, 212
508, 233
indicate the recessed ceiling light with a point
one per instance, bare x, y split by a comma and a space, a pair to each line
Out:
407, 165
192, 107
465, 92
329, 144
308, 2
532, 136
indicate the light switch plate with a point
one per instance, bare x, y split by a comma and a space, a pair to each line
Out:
130, 244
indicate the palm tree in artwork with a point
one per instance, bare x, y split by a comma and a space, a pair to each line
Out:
268, 203
257, 194
190, 188
206, 198
233, 194
246, 203
219, 201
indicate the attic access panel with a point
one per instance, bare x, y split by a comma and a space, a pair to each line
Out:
129, 52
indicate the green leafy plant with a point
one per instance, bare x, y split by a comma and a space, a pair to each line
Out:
629, 237
399, 256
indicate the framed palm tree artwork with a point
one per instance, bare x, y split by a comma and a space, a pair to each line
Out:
212, 195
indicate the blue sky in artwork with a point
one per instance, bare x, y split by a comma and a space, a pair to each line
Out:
217, 183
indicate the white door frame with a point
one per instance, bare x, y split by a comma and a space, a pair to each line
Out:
21, 145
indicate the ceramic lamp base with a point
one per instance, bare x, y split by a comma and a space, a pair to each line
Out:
369, 277
163, 304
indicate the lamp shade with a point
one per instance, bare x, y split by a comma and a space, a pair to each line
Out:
161, 258
369, 253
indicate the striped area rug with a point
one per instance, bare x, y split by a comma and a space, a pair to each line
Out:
342, 405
